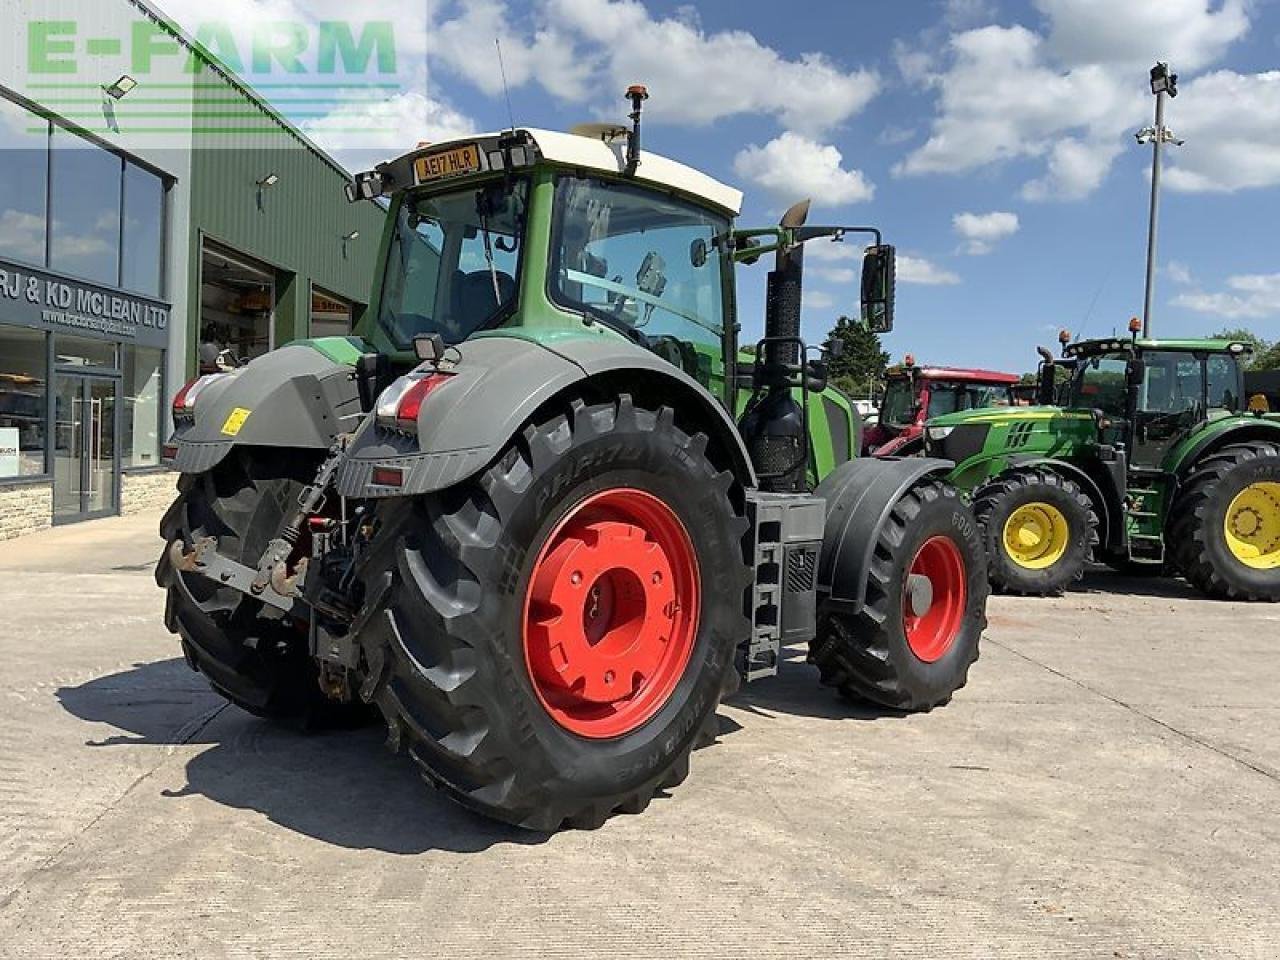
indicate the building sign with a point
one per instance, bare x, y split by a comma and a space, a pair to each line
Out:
36, 298
9, 465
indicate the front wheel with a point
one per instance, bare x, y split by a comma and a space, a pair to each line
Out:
1225, 532
1037, 529
913, 641
551, 640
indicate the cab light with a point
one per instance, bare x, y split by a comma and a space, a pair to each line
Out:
400, 403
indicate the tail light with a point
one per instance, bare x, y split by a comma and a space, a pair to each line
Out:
184, 404
400, 403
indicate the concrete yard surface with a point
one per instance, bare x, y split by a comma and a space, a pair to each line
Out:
1107, 785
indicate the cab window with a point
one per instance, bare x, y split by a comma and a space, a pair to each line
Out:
1224, 382
1173, 382
1100, 385
644, 264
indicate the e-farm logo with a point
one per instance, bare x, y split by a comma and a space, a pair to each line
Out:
310, 71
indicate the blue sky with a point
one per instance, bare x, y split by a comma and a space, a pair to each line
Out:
991, 140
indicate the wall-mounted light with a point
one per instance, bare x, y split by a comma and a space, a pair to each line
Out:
270, 180
119, 89
349, 238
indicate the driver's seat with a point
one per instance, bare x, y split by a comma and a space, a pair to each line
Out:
473, 295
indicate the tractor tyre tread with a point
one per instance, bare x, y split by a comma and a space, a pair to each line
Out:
1198, 556
988, 506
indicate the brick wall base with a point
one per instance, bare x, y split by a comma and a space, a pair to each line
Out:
25, 508
147, 492
28, 507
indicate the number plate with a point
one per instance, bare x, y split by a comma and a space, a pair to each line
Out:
450, 163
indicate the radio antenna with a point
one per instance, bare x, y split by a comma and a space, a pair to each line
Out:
502, 68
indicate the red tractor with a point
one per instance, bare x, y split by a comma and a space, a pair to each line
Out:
914, 394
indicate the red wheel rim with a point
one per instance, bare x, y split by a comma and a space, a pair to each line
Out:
930, 634
611, 613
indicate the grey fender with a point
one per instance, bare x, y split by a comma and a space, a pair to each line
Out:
1109, 520
860, 495
295, 397
497, 383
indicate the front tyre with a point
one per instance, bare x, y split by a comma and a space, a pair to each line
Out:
551, 639
1225, 531
1037, 529
913, 641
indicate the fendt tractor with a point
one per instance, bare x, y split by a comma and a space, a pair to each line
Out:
1155, 459
913, 394
515, 513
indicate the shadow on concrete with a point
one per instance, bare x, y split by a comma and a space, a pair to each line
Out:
796, 690
341, 787
1105, 580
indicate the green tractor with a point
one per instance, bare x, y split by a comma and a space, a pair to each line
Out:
516, 513
1145, 452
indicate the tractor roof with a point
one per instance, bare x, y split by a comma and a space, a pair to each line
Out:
593, 153
1204, 345
955, 373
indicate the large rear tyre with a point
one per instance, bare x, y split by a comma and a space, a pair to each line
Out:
550, 640
1037, 529
911, 645
251, 653
1225, 531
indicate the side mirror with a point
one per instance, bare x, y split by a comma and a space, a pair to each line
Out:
1135, 372
1047, 388
879, 278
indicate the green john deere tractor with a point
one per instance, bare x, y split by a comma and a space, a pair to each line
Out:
1151, 457
516, 513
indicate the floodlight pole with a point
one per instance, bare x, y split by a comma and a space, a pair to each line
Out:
1164, 85
1158, 144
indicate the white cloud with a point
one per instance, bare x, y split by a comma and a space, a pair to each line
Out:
921, 271
23, 234
1250, 296
593, 49
893, 135
792, 167
1179, 273
360, 134
981, 231
832, 251
1190, 34
835, 274
1071, 96
819, 300
1231, 124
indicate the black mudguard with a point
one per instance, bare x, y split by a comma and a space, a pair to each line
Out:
860, 495
292, 397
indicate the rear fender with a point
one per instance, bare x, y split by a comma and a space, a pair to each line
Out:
292, 397
860, 496
498, 383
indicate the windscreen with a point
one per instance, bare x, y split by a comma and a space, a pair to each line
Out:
899, 403
949, 396
453, 261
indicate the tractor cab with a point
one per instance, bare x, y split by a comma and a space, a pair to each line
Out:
1149, 394
913, 394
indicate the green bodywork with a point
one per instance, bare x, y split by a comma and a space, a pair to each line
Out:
834, 424
1097, 448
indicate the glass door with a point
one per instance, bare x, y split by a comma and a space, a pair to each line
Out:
84, 450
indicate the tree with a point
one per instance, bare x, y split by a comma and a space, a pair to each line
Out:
862, 364
1266, 355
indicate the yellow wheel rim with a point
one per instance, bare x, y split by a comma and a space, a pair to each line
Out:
1252, 526
1036, 535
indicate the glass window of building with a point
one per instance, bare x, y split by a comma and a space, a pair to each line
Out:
83, 352
24, 158
143, 231
330, 314
23, 401
143, 390
84, 209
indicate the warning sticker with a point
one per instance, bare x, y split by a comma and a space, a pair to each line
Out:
235, 421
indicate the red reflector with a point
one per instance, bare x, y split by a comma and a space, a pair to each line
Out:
388, 477
411, 402
180, 401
